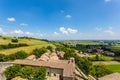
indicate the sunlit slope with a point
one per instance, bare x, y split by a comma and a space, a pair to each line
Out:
33, 43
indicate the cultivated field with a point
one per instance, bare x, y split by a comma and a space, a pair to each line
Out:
89, 43
83, 42
31, 42
111, 65
115, 48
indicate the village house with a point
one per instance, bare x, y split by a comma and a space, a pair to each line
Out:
56, 69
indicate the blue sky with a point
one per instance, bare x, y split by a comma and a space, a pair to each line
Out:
61, 19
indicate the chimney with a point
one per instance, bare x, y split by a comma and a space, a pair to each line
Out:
72, 60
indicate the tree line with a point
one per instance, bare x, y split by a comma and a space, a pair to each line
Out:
11, 45
22, 54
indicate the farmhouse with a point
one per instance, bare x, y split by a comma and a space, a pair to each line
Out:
56, 69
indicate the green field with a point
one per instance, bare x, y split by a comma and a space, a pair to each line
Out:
115, 48
31, 42
114, 67
89, 43
111, 65
82, 42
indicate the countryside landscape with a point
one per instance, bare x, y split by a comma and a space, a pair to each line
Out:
59, 39
93, 57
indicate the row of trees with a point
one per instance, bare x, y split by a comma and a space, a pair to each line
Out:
17, 55
22, 54
10, 45
26, 72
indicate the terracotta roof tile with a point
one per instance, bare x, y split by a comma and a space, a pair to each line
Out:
68, 68
114, 76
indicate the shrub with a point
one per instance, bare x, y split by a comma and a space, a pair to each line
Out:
38, 52
12, 71
84, 64
40, 74
3, 58
49, 48
14, 40
8, 46
27, 72
100, 70
18, 55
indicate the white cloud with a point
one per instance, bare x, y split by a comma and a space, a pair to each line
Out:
23, 33
11, 19
55, 33
2, 32
28, 33
17, 32
68, 16
63, 30
110, 31
23, 24
107, 0
72, 31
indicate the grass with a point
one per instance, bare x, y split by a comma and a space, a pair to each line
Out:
83, 42
89, 43
115, 48
31, 42
114, 67
5, 41
27, 49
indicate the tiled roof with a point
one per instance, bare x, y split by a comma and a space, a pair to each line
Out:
31, 57
18, 78
68, 68
114, 76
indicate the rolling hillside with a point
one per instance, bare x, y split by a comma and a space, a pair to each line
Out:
33, 43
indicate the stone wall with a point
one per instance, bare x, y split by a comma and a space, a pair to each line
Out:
3, 66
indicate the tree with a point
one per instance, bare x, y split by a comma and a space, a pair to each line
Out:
18, 55
84, 64
31, 73
3, 58
49, 48
26, 72
100, 70
97, 57
38, 52
40, 74
14, 40
21, 55
12, 71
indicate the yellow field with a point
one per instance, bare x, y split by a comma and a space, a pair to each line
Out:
31, 42
5, 41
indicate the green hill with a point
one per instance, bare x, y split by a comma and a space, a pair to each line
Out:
32, 44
